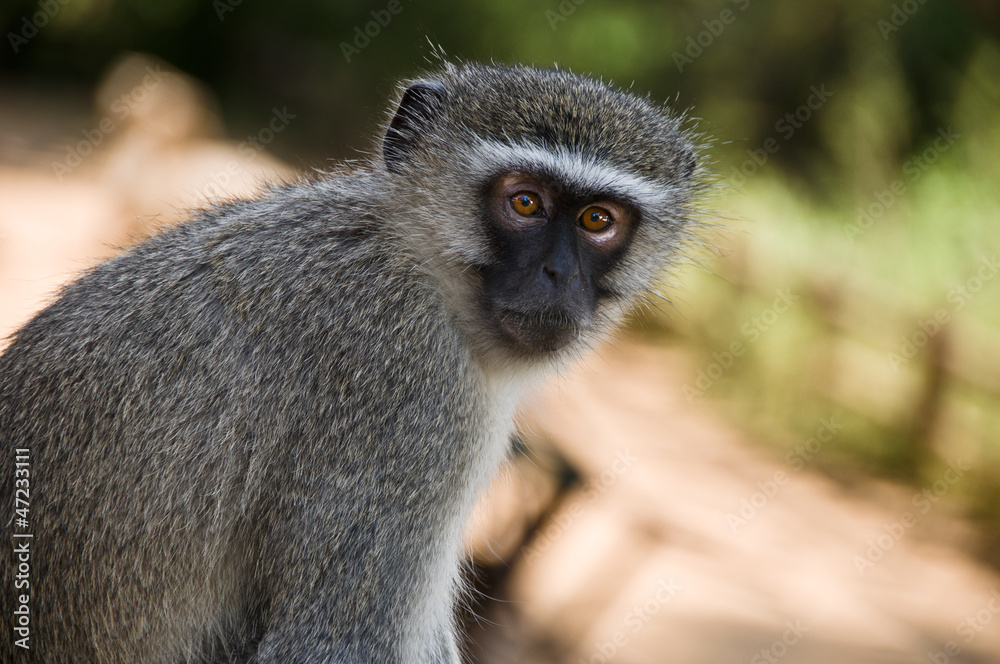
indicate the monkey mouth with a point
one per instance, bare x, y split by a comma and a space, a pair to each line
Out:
539, 331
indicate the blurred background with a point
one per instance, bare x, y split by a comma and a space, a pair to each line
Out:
795, 456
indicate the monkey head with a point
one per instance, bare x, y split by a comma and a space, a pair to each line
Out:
556, 197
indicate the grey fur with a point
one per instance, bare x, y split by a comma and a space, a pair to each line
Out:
256, 436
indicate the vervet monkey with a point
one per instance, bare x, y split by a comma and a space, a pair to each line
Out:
256, 437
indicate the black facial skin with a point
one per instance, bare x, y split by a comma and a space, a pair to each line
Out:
543, 288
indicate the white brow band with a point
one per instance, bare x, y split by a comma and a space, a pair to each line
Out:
574, 167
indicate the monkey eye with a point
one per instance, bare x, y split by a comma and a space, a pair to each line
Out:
525, 203
596, 219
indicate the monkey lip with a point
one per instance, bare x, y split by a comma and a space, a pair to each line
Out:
539, 331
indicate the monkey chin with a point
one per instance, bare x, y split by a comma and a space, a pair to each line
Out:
538, 333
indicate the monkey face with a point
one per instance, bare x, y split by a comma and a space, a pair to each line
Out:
565, 201
551, 246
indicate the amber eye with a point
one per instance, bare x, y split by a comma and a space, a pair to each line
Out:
596, 219
525, 203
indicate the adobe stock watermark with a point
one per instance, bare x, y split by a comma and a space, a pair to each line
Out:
566, 8
786, 127
751, 331
797, 458
363, 35
635, 619
223, 7
913, 169
248, 148
969, 627
30, 26
923, 501
773, 653
959, 296
592, 490
121, 107
696, 45
901, 13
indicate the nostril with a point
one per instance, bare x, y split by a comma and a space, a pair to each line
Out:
561, 277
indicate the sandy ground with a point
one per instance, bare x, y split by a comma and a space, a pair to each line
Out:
687, 543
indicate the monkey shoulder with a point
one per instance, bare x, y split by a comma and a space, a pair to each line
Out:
299, 298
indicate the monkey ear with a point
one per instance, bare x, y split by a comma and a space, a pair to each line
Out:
416, 108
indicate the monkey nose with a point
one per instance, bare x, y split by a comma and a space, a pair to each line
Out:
561, 276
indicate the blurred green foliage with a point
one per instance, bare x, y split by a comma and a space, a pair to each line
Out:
741, 81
